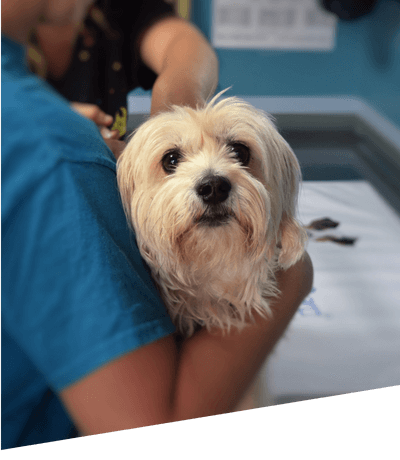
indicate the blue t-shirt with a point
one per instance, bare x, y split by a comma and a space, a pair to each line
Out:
75, 291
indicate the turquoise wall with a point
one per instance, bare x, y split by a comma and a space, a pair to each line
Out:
365, 63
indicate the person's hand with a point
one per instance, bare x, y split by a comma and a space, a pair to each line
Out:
102, 120
116, 146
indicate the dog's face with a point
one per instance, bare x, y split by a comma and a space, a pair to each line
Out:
214, 180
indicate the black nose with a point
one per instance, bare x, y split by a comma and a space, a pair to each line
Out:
214, 189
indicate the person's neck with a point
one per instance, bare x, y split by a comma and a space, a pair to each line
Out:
17, 31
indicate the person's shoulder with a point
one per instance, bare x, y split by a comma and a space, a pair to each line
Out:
36, 118
41, 134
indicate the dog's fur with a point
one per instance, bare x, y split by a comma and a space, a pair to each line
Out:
214, 262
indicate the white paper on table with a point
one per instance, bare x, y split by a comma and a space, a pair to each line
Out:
346, 335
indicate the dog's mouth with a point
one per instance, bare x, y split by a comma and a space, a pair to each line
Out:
215, 217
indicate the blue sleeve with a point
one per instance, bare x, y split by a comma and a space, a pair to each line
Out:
77, 292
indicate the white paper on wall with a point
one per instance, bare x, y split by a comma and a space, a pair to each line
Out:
273, 24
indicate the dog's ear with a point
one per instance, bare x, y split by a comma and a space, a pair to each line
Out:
292, 241
125, 181
292, 237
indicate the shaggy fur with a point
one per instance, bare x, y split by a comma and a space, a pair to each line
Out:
213, 273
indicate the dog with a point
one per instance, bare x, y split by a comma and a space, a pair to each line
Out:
211, 195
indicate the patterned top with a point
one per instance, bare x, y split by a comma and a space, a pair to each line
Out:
106, 64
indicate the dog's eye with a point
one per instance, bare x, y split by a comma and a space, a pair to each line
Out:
241, 152
170, 160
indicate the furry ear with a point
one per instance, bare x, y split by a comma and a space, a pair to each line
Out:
125, 180
291, 236
292, 241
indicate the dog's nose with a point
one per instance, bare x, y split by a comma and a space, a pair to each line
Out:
214, 189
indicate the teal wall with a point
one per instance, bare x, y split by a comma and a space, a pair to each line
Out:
365, 63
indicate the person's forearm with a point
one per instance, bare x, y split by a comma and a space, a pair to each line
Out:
214, 371
189, 75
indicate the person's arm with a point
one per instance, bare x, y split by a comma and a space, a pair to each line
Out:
186, 64
210, 374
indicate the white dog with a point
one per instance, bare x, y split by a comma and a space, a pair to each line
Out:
211, 195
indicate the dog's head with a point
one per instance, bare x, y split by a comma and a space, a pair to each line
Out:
220, 175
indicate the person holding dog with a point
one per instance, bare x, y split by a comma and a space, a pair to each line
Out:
87, 345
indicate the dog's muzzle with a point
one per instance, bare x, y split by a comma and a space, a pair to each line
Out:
213, 191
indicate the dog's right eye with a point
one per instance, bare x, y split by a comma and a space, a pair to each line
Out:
170, 160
